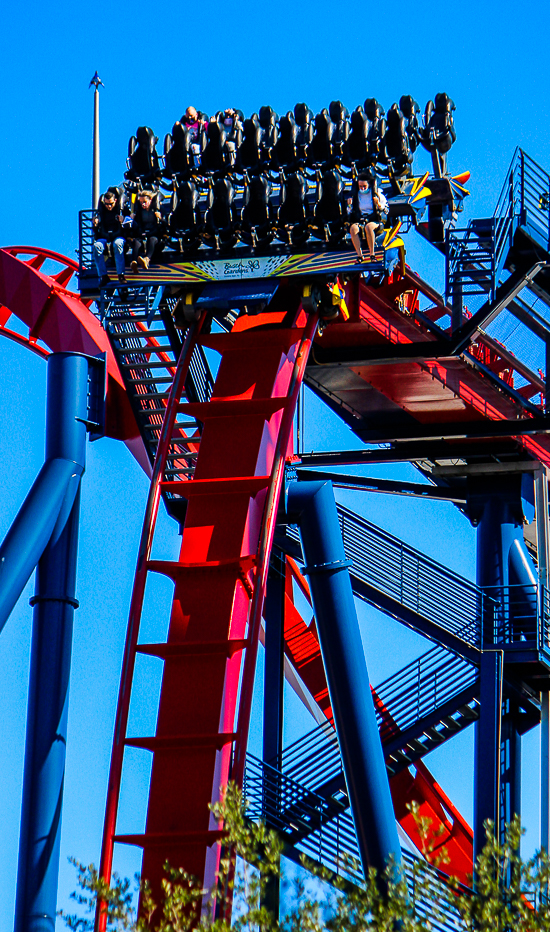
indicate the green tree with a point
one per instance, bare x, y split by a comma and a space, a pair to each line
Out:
511, 895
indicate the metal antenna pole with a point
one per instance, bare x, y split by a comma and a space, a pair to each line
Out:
96, 82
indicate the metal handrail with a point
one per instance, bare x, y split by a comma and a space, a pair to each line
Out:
519, 616
412, 579
312, 826
404, 699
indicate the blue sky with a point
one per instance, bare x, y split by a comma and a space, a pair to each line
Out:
155, 61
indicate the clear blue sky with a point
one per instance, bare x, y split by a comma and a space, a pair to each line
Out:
154, 61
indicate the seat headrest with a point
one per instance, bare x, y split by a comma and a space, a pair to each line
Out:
322, 120
180, 134
408, 106
332, 182
443, 103
373, 109
251, 129
395, 118
268, 117
146, 137
337, 111
358, 119
302, 114
215, 132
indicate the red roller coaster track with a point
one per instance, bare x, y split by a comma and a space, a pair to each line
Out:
219, 578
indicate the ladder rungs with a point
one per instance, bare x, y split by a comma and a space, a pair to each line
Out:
169, 742
158, 839
168, 651
222, 486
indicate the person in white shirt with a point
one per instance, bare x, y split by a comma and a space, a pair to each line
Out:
367, 209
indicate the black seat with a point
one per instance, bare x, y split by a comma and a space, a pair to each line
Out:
258, 215
185, 222
330, 212
320, 147
285, 153
143, 161
220, 226
396, 153
438, 133
304, 121
178, 155
216, 157
358, 140
250, 154
232, 124
377, 127
340, 134
410, 110
268, 120
293, 214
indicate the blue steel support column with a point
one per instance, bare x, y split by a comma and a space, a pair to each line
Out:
54, 603
273, 702
497, 505
311, 505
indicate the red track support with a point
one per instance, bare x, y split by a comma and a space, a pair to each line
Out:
219, 582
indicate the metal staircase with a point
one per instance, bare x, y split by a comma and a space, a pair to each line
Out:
418, 708
322, 831
517, 234
146, 345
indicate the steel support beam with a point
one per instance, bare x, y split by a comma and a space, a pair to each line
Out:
543, 560
274, 659
54, 603
487, 748
312, 506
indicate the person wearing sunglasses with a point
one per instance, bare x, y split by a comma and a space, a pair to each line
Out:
107, 224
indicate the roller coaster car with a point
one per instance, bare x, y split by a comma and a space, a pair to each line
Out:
258, 215
304, 121
216, 157
220, 227
377, 127
293, 214
330, 213
340, 118
250, 156
268, 120
185, 223
358, 140
285, 153
178, 154
320, 147
410, 110
438, 133
143, 161
395, 152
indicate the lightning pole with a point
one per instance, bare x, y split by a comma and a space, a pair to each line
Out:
96, 82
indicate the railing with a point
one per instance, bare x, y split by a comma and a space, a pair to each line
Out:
409, 696
312, 827
474, 262
519, 617
412, 579
86, 240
